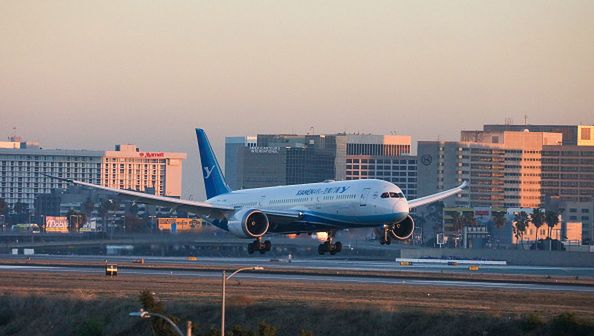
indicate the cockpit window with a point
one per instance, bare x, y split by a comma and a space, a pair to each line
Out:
392, 195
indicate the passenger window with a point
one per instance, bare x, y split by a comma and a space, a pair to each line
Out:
385, 195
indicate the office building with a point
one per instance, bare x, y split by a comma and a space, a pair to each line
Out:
279, 159
284, 159
568, 172
384, 157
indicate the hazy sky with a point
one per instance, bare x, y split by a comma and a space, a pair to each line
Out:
89, 74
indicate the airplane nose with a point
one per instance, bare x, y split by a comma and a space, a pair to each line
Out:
401, 207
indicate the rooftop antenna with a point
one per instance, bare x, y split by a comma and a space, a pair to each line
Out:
525, 119
509, 121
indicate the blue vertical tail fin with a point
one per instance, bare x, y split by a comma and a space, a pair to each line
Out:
214, 181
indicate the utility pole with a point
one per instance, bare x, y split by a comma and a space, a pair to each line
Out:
189, 328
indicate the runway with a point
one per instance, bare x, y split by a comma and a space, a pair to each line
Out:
331, 263
330, 279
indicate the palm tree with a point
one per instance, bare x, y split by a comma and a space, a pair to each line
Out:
468, 218
457, 221
498, 219
552, 219
537, 218
521, 221
88, 206
21, 211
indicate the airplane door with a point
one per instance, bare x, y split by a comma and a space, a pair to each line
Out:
364, 196
261, 201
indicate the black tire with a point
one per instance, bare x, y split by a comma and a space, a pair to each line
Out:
262, 251
388, 242
382, 242
333, 252
338, 247
267, 245
251, 248
321, 249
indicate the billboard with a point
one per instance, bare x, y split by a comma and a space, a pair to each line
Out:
56, 224
179, 224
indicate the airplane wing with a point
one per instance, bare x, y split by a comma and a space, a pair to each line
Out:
203, 209
436, 197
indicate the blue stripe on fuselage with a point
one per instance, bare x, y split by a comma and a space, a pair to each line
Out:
337, 221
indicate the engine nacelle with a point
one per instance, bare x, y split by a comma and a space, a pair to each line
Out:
249, 223
402, 230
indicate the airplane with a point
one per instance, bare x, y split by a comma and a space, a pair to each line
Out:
327, 206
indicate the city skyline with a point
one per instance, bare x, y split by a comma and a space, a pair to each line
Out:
90, 75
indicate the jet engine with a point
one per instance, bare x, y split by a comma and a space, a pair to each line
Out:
249, 224
402, 230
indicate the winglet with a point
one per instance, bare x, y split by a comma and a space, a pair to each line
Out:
214, 180
436, 197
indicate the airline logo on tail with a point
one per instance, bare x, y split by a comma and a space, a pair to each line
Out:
208, 171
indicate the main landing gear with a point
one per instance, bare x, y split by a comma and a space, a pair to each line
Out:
386, 239
330, 247
258, 245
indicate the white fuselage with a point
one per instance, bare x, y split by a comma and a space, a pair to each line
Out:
359, 202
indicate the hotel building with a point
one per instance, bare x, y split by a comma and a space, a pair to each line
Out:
503, 169
129, 168
22, 165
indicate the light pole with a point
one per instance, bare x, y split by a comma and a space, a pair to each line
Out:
147, 315
225, 278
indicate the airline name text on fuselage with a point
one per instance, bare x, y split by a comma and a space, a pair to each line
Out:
322, 191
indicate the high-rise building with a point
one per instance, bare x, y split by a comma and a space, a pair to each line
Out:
127, 167
23, 166
503, 169
573, 135
283, 159
279, 159
22, 170
384, 157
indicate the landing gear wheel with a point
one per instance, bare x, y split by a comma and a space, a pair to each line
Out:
258, 245
338, 247
389, 241
321, 249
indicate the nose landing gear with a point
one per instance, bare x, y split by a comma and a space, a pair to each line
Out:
386, 239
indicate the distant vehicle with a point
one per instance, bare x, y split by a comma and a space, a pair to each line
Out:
306, 208
33, 228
